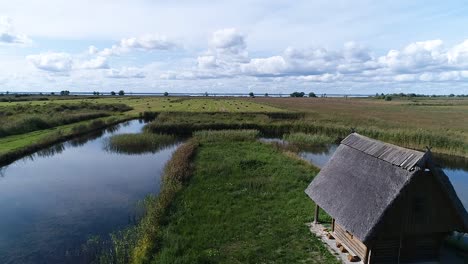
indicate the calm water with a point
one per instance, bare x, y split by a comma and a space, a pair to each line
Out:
54, 200
454, 167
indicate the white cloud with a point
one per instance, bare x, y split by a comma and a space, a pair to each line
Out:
65, 62
327, 77
148, 42
96, 63
125, 73
459, 53
275, 65
207, 62
50, 61
9, 36
423, 61
228, 40
92, 50
416, 57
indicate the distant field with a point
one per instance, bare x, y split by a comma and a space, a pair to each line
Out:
166, 104
443, 116
441, 123
425, 113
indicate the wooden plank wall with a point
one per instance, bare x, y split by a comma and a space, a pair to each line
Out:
354, 244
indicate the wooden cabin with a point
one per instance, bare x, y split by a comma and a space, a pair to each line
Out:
389, 204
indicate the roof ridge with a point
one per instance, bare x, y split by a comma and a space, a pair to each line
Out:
384, 151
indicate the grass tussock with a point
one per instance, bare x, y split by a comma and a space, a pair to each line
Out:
227, 135
139, 143
138, 244
308, 139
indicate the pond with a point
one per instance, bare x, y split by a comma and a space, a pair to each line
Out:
53, 201
456, 168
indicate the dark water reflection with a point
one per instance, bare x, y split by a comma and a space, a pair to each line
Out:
53, 201
456, 168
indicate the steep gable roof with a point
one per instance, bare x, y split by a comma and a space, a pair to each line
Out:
362, 180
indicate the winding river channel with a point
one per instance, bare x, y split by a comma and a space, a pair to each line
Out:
52, 202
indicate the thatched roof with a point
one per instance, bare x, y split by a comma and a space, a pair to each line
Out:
362, 180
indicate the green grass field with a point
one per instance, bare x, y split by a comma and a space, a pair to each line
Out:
441, 123
63, 107
245, 205
436, 114
164, 104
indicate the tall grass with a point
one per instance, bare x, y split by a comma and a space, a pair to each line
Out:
447, 142
20, 119
227, 135
138, 143
39, 122
308, 139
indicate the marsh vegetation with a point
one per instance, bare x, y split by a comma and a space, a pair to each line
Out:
139, 143
225, 197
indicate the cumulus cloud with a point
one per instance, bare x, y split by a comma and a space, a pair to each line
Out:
147, 42
65, 62
423, 61
275, 65
92, 50
416, 57
228, 40
96, 63
125, 73
8, 35
50, 61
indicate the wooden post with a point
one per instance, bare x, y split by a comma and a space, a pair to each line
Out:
366, 256
316, 217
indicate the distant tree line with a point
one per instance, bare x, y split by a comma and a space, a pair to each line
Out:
302, 94
411, 95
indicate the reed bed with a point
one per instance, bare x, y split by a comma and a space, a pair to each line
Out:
448, 142
308, 139
139, 143
227, 135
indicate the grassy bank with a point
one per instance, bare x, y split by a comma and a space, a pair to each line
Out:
225, 198
138, 244
25, 118
245, 203
17, 146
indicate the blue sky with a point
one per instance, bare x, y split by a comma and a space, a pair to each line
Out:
234, 46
